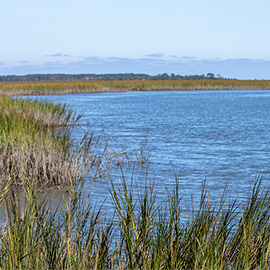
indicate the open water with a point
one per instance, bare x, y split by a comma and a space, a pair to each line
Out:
223, 136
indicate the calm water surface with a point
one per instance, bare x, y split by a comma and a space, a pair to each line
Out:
223, 136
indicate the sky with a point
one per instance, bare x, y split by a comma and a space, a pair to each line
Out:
185, 37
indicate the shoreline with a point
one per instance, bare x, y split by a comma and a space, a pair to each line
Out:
88, 87
47, 92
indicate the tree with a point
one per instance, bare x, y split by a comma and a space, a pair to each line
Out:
210, 76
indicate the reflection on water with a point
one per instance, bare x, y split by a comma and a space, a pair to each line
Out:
53, 198
219, 135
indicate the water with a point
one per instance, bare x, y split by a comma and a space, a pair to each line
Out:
223, 136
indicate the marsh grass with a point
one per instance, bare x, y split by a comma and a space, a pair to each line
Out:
35, 143
68, 87
41, 238
143, 234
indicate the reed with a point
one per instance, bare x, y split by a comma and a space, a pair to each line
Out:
41, 238
144, 234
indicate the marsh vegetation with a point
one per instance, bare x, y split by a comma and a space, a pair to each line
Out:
37, 151
69, 87
142, 234
36, 144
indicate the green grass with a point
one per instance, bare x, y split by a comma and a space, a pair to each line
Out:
35, 142
144, 234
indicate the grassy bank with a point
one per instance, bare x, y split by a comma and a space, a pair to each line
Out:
69, 87
35, 143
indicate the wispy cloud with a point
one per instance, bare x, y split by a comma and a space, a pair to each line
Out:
53, 63
189, 58
155, 55
57, 55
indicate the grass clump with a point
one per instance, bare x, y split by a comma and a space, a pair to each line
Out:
35, 142
38, 237
144, 233
163, 236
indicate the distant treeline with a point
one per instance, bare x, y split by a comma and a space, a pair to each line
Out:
106, 77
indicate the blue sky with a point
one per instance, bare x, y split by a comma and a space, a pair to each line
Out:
230, 38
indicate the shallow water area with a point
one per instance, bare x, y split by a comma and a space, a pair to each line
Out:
222, 136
